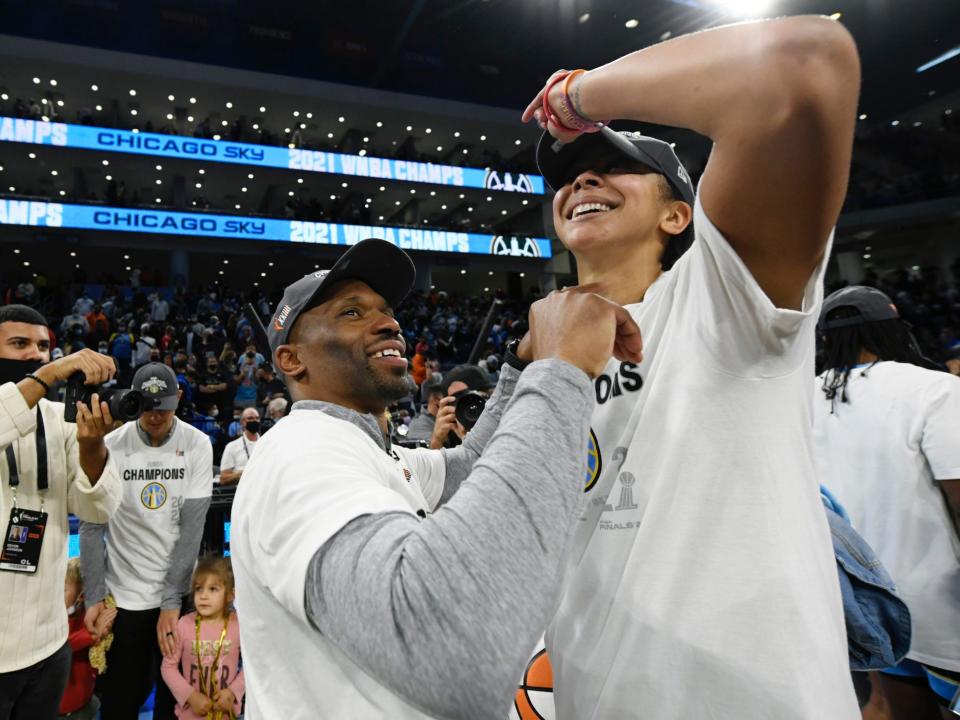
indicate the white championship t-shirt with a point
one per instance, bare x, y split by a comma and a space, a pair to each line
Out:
702, 580
881, 454
310, 476
142, 533
237, 453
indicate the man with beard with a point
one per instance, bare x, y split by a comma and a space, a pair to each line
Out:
354, 598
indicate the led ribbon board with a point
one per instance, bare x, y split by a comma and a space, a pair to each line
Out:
86, 137
97, 217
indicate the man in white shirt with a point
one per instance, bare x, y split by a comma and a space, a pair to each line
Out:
237, 452
358, 603
702, 580
145, 554
55, 467
887, 445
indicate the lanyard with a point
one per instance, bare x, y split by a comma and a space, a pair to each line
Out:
242, 437
211, 684
42, 472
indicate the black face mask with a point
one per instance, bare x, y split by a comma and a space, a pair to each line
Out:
16, 370
253, 426
251, 354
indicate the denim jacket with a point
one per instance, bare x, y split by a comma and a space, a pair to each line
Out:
878, 621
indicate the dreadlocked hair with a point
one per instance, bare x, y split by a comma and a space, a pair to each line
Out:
842, 346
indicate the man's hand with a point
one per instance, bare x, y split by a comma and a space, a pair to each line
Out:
199, 703
167, 636
96, 368
104, 622
93, 424
446, 422
91, 617
580, 327
225, 700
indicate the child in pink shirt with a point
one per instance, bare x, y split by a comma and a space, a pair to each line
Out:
204, 675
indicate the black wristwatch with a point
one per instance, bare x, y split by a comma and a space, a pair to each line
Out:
511, 358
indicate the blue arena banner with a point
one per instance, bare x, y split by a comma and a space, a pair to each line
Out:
86, 137
97, 217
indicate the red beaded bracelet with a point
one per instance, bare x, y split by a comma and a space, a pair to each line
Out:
573, 121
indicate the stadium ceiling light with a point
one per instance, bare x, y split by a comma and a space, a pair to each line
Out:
463, 271
73, 253
309, 116
341, 119
483, 138
4, 96
126, 257
133, 111
99, 108
59, 103
94, 88
439, 148
465, 151
53, 82
456, 134
229, 105
44, 101
443, 207
366, 139
948, 55
256, 126
381, 217
13, 189
263, 274
171, 98
665, 35
632, 23
199, 185
133, 93
237, 206
397, 202
895, 123
836, 16
32, 156
243, 189
169, 116
45, 118
461, 196
382, 188
489, 198
202, 171
193, 101
270, 264
516, 142
189, 118
522, 274
413, 191
300, 181
290, 193
333, 197
221, 272
106, 162
159, 181
469, 209
303, 125
224, 123
427, 131
343, 185
526, 202
16, 251
287, 130
379, 124
159, 167
217, 136
263, 108
486, 289
330, 135
490, 273
62, 193
109, 178
433, 193
296, 113
583, 18
503, 212
36, 81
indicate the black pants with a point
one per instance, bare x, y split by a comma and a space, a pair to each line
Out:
133, 667
34, 693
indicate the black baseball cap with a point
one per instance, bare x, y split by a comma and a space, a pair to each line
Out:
871, 305
159, 384
554, 158
472, 376
383, 266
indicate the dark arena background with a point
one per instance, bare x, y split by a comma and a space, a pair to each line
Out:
165, 164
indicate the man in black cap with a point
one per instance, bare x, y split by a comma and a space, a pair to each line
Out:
144, 555
885, 427
353, 595
702, 581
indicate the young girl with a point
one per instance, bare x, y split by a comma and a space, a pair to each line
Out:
208, 684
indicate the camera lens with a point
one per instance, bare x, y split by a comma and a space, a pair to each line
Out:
126, 405
469, 407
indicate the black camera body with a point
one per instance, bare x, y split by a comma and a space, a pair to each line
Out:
469, 407
125, 405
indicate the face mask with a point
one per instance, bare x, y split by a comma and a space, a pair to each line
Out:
211, 368
251, 354
16, 370
253, 426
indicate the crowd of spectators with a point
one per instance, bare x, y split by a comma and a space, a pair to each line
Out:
204, 337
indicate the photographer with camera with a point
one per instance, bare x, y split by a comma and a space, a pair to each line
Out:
465, 390
145, 554
51, 468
